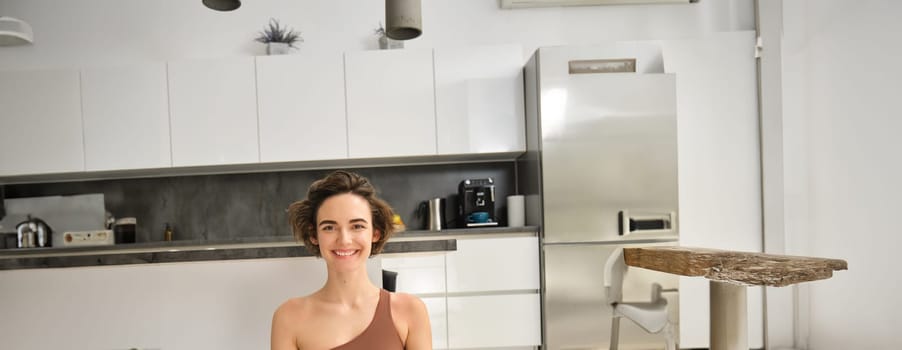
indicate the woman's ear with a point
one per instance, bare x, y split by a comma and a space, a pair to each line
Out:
313, 239
377, 234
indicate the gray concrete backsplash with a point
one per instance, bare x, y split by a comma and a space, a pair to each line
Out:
254, 204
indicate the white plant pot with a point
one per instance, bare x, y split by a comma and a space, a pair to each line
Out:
277, 49
386, 43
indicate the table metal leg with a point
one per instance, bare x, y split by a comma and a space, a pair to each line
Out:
729, 319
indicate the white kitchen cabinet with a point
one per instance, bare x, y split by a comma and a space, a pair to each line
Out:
126, 117
391, 103
438, 321
493, 304
213, 112
514, 267
417, 274
302, 107
423, 275
40, 115
479, 99
489, 321
490, 285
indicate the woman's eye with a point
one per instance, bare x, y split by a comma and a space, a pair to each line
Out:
326, 228
359, 227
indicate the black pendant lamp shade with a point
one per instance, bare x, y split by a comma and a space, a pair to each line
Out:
222, 5
403, 19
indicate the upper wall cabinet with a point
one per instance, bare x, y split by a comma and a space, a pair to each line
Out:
244, 110
479, 99
302, 107
213, 112
40, 115
391, 103
126, 117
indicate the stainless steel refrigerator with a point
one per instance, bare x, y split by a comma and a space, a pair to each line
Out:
600, 173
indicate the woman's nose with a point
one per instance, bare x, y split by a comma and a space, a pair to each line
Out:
344, 235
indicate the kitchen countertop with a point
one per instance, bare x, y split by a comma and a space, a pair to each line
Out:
229, 249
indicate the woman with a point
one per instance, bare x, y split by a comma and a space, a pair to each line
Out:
344, 222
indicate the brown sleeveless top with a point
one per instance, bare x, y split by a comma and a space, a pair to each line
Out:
381, 334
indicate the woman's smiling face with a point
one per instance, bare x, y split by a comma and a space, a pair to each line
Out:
344, 230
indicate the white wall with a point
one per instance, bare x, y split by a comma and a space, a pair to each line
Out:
719, 174
843, 166
94, 32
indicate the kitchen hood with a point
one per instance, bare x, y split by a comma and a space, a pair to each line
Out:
14, 32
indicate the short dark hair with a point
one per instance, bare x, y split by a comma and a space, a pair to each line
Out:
302, 214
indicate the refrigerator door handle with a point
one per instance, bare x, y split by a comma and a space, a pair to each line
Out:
645, 222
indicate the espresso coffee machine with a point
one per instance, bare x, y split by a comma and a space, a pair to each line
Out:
476, 198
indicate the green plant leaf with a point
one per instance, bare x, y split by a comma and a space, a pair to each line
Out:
274, 32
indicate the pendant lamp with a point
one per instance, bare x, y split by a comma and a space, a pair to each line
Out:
403, 19
222, 5
15, 32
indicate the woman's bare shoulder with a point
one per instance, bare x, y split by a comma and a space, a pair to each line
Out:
408, 306
412, 320
404, 298
288, 315
294, 309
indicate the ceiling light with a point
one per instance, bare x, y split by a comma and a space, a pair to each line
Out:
15, 32
403, 19
516, 4
222, 5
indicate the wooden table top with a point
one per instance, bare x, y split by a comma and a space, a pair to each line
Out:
752, 269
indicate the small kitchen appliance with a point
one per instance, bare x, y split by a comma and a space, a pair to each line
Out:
33, 233
124, 230
433, 213
88, 238
83, 212
476, 198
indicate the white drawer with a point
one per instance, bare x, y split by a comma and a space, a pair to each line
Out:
417, 274
514, 264
438, 319
494, 321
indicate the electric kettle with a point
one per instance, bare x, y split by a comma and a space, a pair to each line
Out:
433, 211
33, 232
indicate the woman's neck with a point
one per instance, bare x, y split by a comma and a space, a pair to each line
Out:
348, 287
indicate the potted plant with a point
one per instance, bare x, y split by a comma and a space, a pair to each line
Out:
279, 39
385, 42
